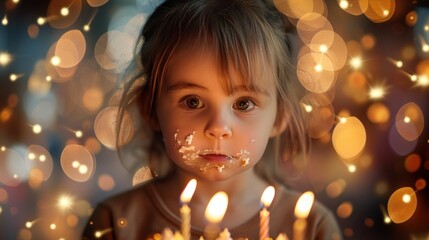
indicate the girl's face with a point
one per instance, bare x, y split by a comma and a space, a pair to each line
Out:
207, 131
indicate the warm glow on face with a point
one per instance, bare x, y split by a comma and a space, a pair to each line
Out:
217, 207
268, 196
304, 204
188, 192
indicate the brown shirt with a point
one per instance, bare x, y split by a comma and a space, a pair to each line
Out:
140, 213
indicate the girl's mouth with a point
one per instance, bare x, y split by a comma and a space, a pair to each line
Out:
212, 157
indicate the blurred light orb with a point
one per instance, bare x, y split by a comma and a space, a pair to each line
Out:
349, 138
106, 182
345, 210
77, 162
55, 60
78, 134
420, 184
376, 92
410, 121
378, 113
5, 58
37, 128
411, 18
402, 205
106, 127
356, 62
64, 11
41, 20
4, 21
70, 48
412, 163
45, 163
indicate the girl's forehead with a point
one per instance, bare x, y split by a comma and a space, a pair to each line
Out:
232, 71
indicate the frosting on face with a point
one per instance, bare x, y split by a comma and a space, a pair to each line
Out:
194, 157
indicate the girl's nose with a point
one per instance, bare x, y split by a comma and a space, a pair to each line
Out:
218, 127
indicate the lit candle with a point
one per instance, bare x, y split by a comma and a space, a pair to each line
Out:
214, 214
302, 209
185, 211
264, 214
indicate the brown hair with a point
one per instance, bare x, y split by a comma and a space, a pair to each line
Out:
247, 36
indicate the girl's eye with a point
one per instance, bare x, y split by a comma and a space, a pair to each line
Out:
192, 102
244, 104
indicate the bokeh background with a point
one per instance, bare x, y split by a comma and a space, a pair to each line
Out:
364, 65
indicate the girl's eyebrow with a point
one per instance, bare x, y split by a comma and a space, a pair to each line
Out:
189, 85
184, 85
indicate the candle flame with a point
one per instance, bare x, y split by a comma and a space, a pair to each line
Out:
304, 204
188, 192
267, 196
217, 207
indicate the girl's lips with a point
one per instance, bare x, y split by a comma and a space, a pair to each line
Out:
215, 157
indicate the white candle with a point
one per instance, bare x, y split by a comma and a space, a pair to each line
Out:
214, 214
185, 211
302, 209
264, 214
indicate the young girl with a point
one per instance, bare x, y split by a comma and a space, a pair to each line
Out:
219, 102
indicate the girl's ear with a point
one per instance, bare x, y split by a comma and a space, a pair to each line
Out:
280, 125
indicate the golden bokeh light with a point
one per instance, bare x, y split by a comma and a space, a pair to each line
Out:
5, 58
399, 210
378, 113
35, 178
420, 184
310, 24
368, 41
410, 121
105, 127
336, 188
306, 6
349, 138
412, 163
344, 210
93, 145
42, 160
93, 99
106, 182
312, 79
70, 48
77, 162
380, 11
